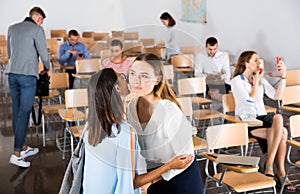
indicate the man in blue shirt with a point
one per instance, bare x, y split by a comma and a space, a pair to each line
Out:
71, 51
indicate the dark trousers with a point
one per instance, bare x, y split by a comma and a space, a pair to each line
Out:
71, 77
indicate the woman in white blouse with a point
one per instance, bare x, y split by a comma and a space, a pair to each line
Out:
248, 87
163, 130
171, 47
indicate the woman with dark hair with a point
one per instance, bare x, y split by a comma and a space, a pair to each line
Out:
171, 47
248, 87
117, 61
163, 130
111, 147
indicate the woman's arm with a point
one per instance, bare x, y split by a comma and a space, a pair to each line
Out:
280, 89
178, 162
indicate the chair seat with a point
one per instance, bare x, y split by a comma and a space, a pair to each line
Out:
77, 130
246, 182
252, 140
236, 119
292, 109
203, 114
200, 100
53, 108
270, 109
71, 115
199, 143
82, 76
293, 143
52, 94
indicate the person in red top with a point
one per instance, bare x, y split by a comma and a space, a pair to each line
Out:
118, 62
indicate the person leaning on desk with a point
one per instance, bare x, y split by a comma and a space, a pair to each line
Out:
71, 51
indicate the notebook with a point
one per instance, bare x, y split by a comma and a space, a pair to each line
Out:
242, 160
248, 118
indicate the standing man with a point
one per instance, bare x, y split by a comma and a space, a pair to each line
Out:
26, 42
214, 66
71, 51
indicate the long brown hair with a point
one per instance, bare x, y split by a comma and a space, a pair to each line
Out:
162, 89
240, 67
105, 105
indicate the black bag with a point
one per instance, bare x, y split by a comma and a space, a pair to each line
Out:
42, 86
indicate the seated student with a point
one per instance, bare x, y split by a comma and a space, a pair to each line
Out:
71, 51
214, 66
248, 87
118, 61
111, 145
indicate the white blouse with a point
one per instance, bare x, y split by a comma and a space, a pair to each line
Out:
168, 133
245, 105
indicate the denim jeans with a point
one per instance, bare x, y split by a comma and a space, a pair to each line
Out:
22, 91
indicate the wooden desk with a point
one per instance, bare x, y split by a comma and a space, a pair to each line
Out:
236, 119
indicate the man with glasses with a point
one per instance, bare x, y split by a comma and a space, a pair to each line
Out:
26, 42
71, 51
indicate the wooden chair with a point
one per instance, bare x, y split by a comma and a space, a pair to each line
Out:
74, 99
96, 49
117, 33
291, 99
293, 143
131, 36
193, 87
293, 77
191, 50
234, 177
2, 37
61, 35
88, 34
85, 68
101, 37
169, 72
187, 109
133, 48
148, 42
182, 63
58, 81
105, 54
154, 50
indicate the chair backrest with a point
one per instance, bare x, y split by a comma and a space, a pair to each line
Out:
88, 66
169, 72
191, 49
294, 126
117, 33
59, 80
228, 103
3, 43
221, 136
61, 33
88, 34
2, 37
133, 47
189, 86
105, 54
293, 77
3, 51
291, 95
148, 42
96, 49
131, 36
179, 61
186, 106
156, 51
104, 36
75, 98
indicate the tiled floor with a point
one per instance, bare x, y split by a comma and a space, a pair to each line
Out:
47, 168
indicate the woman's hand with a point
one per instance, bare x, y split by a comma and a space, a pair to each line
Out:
281, 67
257, 77
181, 161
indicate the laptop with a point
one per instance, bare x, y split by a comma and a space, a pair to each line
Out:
242, 160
